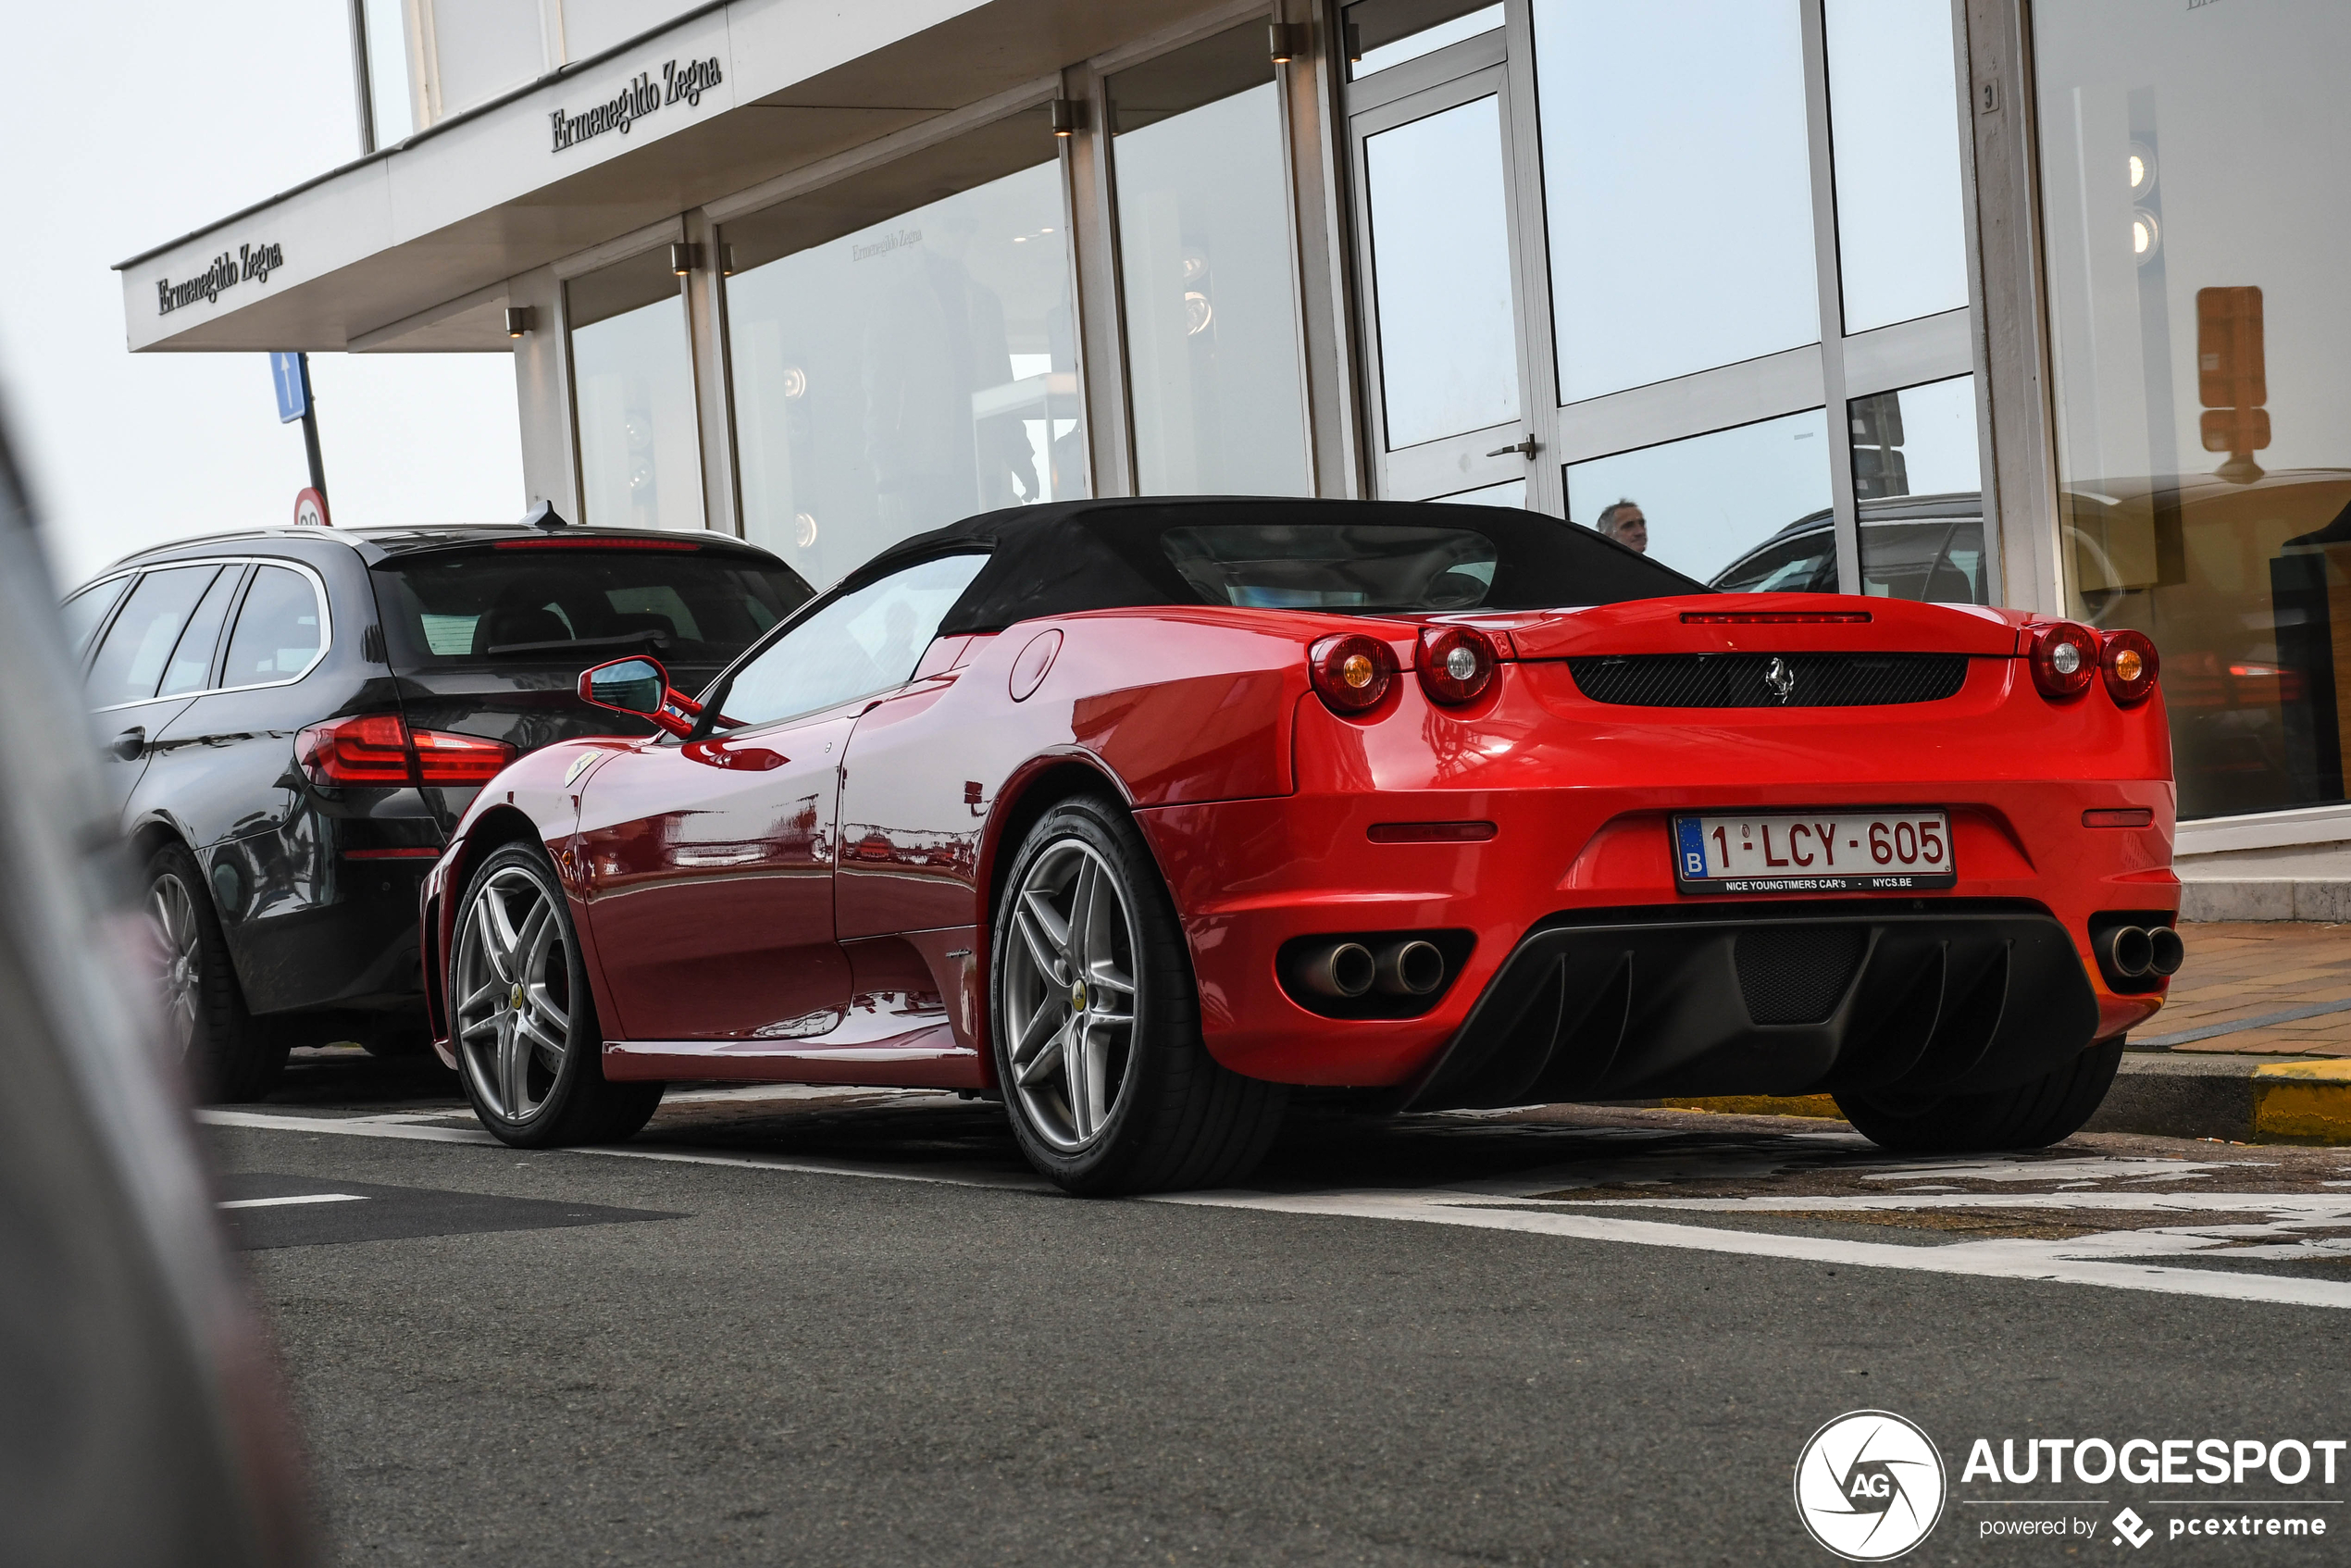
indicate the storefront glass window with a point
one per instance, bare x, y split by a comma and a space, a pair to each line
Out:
2188, 160
908, 372
1205, 273
1704, 505
1894, 122
1441, 271
632, 374
1920, 487
1679, 184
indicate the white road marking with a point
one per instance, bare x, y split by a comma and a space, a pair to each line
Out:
300, 1197
1993, 1260
1479, 1206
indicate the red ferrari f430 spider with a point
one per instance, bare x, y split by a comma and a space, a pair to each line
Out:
1139, 813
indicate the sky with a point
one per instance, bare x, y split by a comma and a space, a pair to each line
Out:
148, 120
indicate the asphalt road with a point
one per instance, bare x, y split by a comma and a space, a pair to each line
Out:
851, 1329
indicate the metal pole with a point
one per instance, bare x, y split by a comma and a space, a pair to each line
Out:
363, 90
310, 430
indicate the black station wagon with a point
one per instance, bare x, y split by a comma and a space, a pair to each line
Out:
292, 719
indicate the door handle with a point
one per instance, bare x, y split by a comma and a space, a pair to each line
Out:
129, 743
1524, 448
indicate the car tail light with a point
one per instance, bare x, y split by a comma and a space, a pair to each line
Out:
378, 749
1350, 672
2129, 663
1456, 664
459, 759
370, 749
2065, 658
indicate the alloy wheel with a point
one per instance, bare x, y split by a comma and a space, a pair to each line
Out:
512, 982
1069, 995
171, 909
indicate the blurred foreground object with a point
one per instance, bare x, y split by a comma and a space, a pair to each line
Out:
140, 1419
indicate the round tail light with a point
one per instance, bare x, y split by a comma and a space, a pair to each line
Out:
2065, 659
1350, 672
2129, 663
1456, 664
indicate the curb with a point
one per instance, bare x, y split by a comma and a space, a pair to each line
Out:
2163, 1094
2326, 900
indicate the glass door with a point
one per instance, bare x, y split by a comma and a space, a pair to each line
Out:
1449, 375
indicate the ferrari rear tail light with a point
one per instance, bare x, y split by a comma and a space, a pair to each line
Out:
444, 758
370, 749
2065, 658
1456, 664
2129, 664
380, 750
1350, 672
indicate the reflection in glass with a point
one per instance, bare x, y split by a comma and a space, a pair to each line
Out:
1920, 440
1205, 276
1894, 122
1441, 270
1381, 33
1677, 169
130, 661
632, 373
2204, 462
908, 374
1711, 499
191, 666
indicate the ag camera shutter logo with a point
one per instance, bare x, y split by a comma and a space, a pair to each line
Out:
1870, 1485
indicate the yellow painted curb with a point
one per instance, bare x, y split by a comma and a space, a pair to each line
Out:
2303, 1101
1763, 1105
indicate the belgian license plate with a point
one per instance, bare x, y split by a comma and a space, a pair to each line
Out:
1814, 852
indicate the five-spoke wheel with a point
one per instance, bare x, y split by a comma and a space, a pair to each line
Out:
1069, 994
521, 1017
1096, 1019
512, 996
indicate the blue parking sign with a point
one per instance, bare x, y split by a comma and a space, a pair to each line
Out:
291, 372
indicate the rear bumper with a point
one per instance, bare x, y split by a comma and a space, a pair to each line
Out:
1962, 995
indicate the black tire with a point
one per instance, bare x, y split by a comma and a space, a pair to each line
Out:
517, 1094
1174, 1118
2031, 1115
229, 1055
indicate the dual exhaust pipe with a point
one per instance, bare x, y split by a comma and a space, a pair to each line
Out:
1345, 970
2133, 953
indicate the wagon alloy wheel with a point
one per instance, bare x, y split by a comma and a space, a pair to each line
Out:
227, 1052
180, 952
1070, 995
1095, 1019
513, 994
521, 1018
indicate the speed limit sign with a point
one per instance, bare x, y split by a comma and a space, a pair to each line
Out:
310, 509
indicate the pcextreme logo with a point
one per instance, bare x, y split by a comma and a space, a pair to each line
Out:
1870, 1485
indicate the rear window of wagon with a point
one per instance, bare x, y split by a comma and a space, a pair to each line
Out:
573, 607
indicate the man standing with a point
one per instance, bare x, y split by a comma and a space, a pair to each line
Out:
1623, 522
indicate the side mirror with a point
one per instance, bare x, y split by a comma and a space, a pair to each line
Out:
629, 686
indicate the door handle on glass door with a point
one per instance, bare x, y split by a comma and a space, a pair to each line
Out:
1524, 449
129, 743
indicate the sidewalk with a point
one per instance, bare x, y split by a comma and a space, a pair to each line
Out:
2242, 982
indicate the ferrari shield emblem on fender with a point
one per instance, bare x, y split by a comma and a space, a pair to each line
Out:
1780, 679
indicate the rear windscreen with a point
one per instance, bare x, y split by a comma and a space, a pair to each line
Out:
577, 606
1510, 561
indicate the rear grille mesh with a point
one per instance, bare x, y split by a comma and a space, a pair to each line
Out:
1745, 680
1797, 974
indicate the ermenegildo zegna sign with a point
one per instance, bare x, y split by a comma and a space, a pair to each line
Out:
227, 271
640, 98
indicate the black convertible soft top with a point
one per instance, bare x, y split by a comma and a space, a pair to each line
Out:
1272, 552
